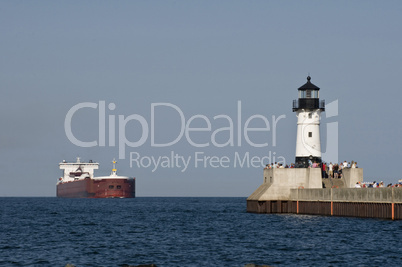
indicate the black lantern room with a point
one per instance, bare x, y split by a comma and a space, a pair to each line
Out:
308, 98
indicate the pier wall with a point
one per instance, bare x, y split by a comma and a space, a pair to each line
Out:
277, 182
385, 203
352, 176
379, 195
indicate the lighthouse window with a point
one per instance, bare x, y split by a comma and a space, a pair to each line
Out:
310, 134
308, 94
314, 94
111, 186
118, 187
310, 115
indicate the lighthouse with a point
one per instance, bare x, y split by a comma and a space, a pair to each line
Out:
308, 108
300, 189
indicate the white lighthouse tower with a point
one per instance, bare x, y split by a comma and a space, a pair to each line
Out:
308, 108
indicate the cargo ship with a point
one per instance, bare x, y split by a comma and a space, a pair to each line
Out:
78, 181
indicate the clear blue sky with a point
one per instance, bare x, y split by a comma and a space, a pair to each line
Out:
203, 57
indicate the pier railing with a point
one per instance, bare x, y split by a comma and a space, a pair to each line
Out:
378, 195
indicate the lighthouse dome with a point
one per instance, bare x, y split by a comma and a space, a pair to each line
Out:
308, 85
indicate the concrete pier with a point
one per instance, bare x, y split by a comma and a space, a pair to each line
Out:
300, 191
277, 183
385, 203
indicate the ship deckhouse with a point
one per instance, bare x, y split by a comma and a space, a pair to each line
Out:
77, 170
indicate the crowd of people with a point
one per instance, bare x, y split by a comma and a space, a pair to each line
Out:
375, 184
328, 170
278, 165
335, 171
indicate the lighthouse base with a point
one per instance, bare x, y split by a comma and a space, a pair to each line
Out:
302, 162
277, 183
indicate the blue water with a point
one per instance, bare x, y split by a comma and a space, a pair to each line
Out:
185, 232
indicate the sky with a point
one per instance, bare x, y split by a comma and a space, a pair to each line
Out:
194, 79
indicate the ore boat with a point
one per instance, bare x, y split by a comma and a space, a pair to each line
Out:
78, 181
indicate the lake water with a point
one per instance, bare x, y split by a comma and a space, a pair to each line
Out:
185, 232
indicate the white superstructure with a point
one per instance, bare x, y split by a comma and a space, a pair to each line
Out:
113, 175
77, 170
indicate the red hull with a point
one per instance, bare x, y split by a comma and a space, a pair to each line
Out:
102, 188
